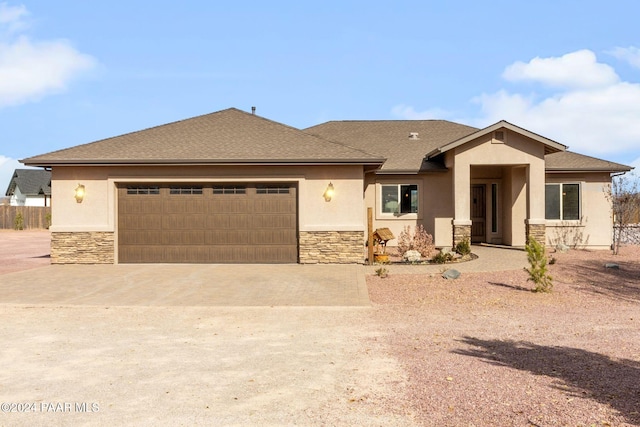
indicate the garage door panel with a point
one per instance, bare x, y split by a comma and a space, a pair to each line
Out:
170, 224
143, 205
227, 204
183, 237
183, 222
217, 221
227, 237
271, 237
191, 254
141, 222
273, 221
186, 205
142, 237
240, 221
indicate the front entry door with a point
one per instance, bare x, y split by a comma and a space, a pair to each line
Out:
478, 213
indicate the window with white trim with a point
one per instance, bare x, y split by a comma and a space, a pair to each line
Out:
399, 198
562, 201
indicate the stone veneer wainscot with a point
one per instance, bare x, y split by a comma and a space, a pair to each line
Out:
94, 247
331, 247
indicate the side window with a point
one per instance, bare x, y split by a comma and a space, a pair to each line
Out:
562, 201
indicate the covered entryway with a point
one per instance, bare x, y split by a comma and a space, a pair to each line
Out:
215, 223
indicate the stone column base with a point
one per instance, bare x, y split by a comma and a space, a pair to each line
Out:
461, 231
536, 230
93, 247
331, 247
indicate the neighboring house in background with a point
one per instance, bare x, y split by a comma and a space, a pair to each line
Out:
234, 187
29, 187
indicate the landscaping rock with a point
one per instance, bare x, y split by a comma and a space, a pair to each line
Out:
412, 256
612, 266
451, 274
562, 248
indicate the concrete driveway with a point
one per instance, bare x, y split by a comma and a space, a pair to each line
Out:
187, 285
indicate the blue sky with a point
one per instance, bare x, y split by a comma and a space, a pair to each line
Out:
73, 72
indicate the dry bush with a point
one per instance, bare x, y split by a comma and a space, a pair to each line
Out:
420, 241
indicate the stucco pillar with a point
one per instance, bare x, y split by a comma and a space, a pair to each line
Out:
535, 224
462, 202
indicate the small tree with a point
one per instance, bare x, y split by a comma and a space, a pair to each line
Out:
18, 222
538, 272
624, 195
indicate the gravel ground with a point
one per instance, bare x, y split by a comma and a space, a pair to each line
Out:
484, 350
480, 350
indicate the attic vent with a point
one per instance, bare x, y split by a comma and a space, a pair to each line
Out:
413, 135
499, 135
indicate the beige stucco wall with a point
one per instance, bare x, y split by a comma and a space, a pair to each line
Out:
595, 228
98, 210
435, 209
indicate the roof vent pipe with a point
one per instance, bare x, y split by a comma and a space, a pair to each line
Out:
413, 135
253, 110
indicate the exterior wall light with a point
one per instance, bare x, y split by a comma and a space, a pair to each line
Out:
79, 193
328, 193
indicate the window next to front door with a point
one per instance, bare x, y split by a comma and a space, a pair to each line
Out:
562, 201
399, 198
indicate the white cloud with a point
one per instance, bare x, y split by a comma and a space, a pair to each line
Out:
629, 54
598, 114
578, 69
30, 70
12, 17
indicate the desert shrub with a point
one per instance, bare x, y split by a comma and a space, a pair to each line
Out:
538, 272
18, 222
47, 219
463, 247
382, 272
443, 257
420, 241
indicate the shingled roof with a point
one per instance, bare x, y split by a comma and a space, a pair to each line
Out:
393, 139
405, 154
31, 182
227, 136
567, 161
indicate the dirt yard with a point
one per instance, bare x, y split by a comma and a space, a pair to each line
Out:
481, 350
484, 350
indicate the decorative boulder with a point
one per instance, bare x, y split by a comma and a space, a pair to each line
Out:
451, 274
562, 248
612, 266
412, 256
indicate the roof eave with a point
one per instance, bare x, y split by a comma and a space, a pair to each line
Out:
199, 162
587, 170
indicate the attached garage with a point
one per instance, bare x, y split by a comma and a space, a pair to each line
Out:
225, 187
214, 223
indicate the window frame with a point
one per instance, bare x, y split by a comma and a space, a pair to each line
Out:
560, 186
398, 214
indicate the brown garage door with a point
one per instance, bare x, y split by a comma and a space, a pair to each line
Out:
231, 223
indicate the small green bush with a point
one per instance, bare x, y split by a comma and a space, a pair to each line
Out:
538, 272
382, 272
442, 257
463, 247
18, 222
47, 219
